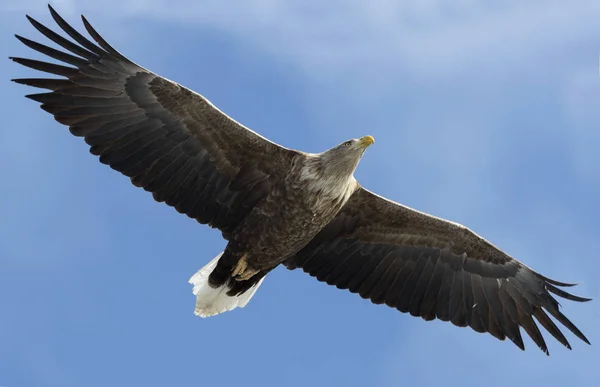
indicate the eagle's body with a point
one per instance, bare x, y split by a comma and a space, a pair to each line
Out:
299, 205
276, 206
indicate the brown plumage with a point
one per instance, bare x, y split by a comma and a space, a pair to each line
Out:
280, 206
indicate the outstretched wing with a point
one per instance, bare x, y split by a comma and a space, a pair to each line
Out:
430, 267
168, 139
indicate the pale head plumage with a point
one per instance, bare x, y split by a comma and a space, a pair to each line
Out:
341, 161
330, 174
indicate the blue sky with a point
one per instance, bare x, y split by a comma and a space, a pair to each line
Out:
484, 113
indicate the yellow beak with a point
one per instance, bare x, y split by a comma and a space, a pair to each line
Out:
366, 141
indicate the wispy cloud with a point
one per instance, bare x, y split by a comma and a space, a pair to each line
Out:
425, 38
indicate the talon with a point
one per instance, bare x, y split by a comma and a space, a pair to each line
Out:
240, 267
241, 271
247, 274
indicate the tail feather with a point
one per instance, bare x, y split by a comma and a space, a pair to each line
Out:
212, 301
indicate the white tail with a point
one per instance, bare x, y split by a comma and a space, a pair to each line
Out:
212, 301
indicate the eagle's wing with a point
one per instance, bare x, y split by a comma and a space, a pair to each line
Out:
430, 267
168, 139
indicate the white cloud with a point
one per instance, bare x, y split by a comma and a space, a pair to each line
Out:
423, 37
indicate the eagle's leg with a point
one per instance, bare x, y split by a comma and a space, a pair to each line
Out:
241, 271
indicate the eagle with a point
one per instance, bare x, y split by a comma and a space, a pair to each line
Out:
279, 206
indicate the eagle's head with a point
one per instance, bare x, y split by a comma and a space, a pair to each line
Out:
343, 159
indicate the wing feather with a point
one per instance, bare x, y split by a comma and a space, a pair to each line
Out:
169, 140
430, 299
430, 267
442, 310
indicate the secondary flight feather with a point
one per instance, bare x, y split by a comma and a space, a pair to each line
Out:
278, 206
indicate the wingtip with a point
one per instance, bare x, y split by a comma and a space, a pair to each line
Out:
34, 22
558, 283
20, 38
518, 341
544, 349
585, 339
37, 97
54, 14
561, 293
85, 22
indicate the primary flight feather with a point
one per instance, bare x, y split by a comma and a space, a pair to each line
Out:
276, 206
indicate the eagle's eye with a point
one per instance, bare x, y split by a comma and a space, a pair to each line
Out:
347, 143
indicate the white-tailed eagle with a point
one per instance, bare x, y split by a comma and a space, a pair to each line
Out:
277, 206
